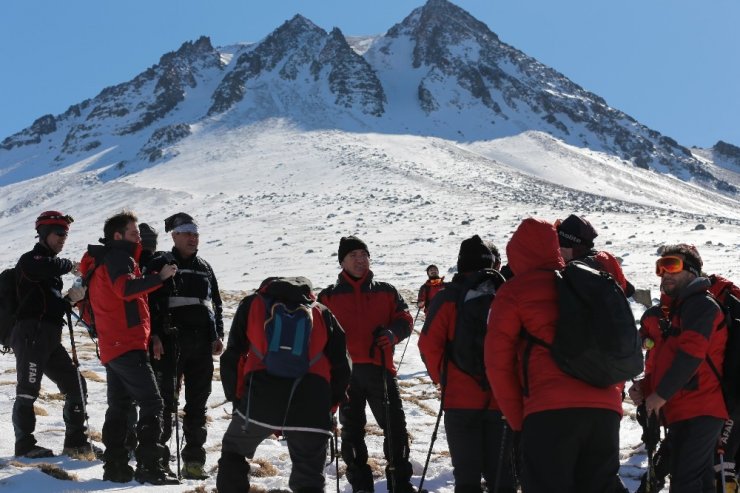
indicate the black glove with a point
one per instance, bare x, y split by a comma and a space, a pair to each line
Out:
384, 337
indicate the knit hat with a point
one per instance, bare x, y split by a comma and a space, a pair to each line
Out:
148, 237
50, 221
349, 243
474, 255
575, 231
180, 223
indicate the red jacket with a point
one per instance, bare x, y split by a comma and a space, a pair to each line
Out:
428, 290
529, 300
461, 390
363, 305
118, 296
685, 332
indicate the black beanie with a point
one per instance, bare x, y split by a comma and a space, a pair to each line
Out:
575, 231
474, 255
349, 243
148, 237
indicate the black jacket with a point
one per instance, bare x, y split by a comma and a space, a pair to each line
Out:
39, 277
190, 302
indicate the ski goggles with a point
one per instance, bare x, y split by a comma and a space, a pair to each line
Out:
673, 265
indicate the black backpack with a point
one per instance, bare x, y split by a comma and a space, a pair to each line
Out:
473, 304
9, 306
596, 338
730, 379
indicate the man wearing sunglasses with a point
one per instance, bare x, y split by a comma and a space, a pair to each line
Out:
36, 339
680, 383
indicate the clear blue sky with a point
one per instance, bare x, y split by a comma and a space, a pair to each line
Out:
674, 65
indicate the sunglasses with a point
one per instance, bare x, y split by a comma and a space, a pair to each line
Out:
669, 264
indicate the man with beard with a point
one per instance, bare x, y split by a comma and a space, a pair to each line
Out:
680, 385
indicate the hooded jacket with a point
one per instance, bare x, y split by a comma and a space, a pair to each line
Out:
118, 296
363, 305
530, 300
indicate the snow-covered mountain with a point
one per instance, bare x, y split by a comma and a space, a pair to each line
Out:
439, 72
413, 140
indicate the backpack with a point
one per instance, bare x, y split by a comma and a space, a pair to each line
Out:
9, 306
471, 325
288, 325
596, 338
730, 379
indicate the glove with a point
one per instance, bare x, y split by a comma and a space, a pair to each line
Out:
75, 294
384, 337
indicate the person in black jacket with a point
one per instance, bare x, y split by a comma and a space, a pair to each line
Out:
299, 406
36, 339
187, 330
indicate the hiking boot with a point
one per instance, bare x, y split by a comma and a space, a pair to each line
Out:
118, 473
83, 451
155, 476
34, 452
194, 470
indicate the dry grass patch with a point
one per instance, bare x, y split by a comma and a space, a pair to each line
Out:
374, 430
377, 467
262, 468
7, 382
51, 396
422, 404
51, 469
9, 370
92, 376
95, 436
201, 489
214, 448
39, 411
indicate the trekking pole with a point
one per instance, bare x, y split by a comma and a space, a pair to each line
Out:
400, 362
443, 385
177, 405
89, 330
501, 453
652, 432
388, 431
83, 394
336, 454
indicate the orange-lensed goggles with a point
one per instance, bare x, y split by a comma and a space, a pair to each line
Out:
673, 265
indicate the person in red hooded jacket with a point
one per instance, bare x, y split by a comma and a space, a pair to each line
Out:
375, 318
569, 429
474, 424
118, 297
680, 383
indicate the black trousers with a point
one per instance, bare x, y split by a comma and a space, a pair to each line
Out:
366, 387
38, 352
187, 359
693, 442
570, 450
480, 439
307, 455
130, 378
